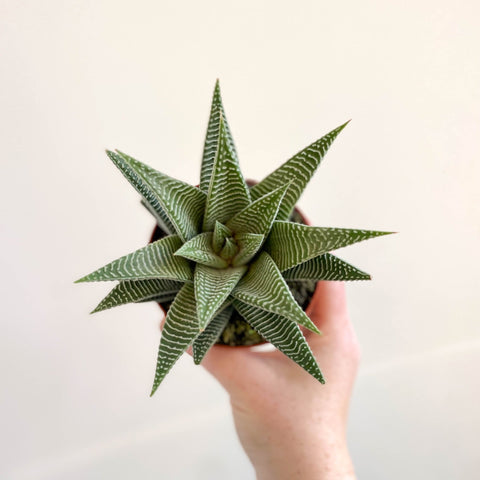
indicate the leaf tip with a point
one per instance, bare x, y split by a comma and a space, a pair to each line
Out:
119, 152
179, 251
311, 326
154, 389
377, 233
341, 127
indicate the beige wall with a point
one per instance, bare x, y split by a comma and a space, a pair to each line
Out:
79, 76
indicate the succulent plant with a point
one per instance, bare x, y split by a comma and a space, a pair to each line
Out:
228, 248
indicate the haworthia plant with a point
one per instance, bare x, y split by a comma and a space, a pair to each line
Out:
229, 250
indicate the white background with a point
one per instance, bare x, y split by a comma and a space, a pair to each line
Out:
77, 77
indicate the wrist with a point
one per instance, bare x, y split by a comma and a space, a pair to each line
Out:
304, 459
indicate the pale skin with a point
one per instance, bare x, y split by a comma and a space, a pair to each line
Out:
290, 425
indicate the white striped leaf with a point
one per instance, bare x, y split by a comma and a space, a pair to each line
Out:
182, 203
229, 249
325, 267
179, 332
290, 244
156, 260
199, 249
248, 246
160, 299
283, 334
211, 139
133, 291
203, 343
212, 287
300, 169
227, 193
162, 220
220, 233
149, 198
264, 287
258, 217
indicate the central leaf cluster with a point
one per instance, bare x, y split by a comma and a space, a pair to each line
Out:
225, 244
224, 248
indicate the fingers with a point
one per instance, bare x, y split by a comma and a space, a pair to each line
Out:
328, 308
337, 350
230, 365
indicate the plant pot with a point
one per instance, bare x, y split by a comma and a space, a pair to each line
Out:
237, 331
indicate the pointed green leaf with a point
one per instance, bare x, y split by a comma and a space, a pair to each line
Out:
325, 267
248, 246
199, 249
300, 168
181, 203
179, 332
211, 139
212, 287
156, 260
264, 287
150, 199
162, 221
160, 299
229, 249
210, 335
291, 243
220, 233
258, 217
227, 193
132, 291
283, 334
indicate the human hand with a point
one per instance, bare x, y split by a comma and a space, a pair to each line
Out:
290, 425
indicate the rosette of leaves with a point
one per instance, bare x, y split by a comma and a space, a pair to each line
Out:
228, 249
